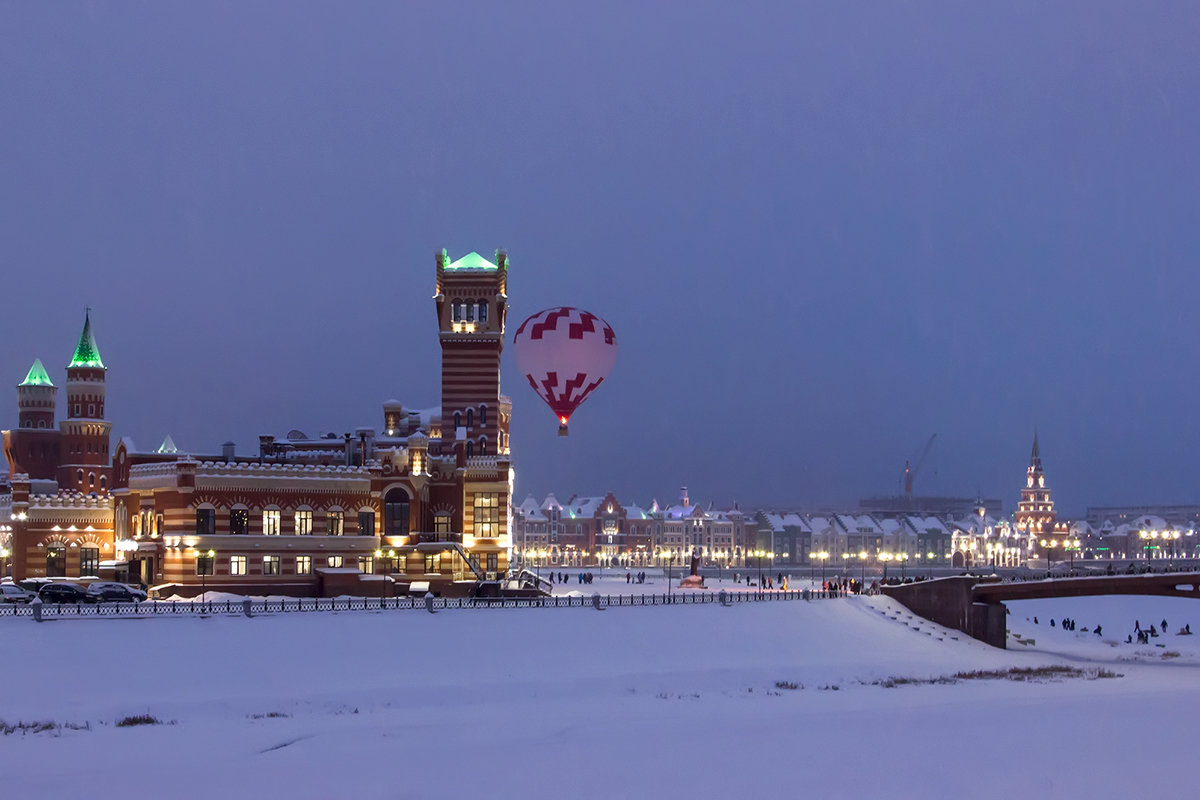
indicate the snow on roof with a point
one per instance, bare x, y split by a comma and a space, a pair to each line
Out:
551, 503
584, 506
529, 509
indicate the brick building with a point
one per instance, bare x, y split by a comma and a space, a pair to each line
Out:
424, 500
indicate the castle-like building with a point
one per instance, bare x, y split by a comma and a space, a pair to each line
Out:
421, 503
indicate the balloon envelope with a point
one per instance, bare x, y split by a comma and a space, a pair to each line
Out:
565, 354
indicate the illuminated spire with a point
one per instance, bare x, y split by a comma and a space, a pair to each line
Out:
1035, 454
86, 353
472, 260
37, 375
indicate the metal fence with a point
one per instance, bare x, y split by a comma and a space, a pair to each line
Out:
158, 608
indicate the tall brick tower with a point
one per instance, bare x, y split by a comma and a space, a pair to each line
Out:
85, 458
472, 303
32, 447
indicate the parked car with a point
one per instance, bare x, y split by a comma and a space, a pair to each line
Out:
63, 593
11, 593
107, 592
34, 585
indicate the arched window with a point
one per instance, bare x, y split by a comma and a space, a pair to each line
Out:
470, 418
457, 420
395, 513
104, 482
483, 416
239, 521
483, 445
470, 449
92, 480
56, 561
79, 477
456, 312
469, 310
483, 312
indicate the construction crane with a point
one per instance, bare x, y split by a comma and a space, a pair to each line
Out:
911, 469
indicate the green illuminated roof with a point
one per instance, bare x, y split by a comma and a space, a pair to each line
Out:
37, 375
87, 354
168, 445
472, 261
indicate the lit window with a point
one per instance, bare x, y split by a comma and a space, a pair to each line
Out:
239, 521
433, 563
304, 565
271, 519
303, 522
270, 565
441, 523
334, 561
337, 522
237, 565
487, 514
366, 564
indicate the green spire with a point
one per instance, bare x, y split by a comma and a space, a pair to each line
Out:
37, 375
472, 261
87, 354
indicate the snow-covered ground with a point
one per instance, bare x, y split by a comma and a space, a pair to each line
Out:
630, 702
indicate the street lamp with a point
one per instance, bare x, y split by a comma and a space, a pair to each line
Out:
210, 556
823, 556
862, 569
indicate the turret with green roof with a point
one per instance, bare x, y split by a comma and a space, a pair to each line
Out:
87, 355
37, 375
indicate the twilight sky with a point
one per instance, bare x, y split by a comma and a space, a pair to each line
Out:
822, 230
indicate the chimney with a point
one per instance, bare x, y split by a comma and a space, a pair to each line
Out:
227, 450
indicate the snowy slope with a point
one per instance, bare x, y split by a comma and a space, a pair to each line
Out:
629, 702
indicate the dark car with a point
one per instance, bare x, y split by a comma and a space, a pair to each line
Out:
108, 592
63, 593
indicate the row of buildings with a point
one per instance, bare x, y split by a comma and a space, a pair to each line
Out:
604, 530
423, 501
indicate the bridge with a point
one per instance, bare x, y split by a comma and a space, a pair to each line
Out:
975, 605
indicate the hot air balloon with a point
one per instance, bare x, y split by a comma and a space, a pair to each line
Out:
565, 354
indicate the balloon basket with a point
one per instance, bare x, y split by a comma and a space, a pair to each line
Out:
562, 430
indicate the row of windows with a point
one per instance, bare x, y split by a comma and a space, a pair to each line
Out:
469, 311
91, 479
272, 519
239, 564
470, 416
99, 449
91, 410
56, 561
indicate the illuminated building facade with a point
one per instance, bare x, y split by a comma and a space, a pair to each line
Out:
1035, 517
422, 502
59, 512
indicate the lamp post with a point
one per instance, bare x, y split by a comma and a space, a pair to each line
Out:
824, 557
862, 569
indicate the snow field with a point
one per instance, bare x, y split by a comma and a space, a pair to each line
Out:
628, 702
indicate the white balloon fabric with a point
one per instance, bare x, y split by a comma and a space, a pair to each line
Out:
565, 354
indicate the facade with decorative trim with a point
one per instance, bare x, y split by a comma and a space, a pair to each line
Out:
421, 504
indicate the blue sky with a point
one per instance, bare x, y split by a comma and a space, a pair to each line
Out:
822, 231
